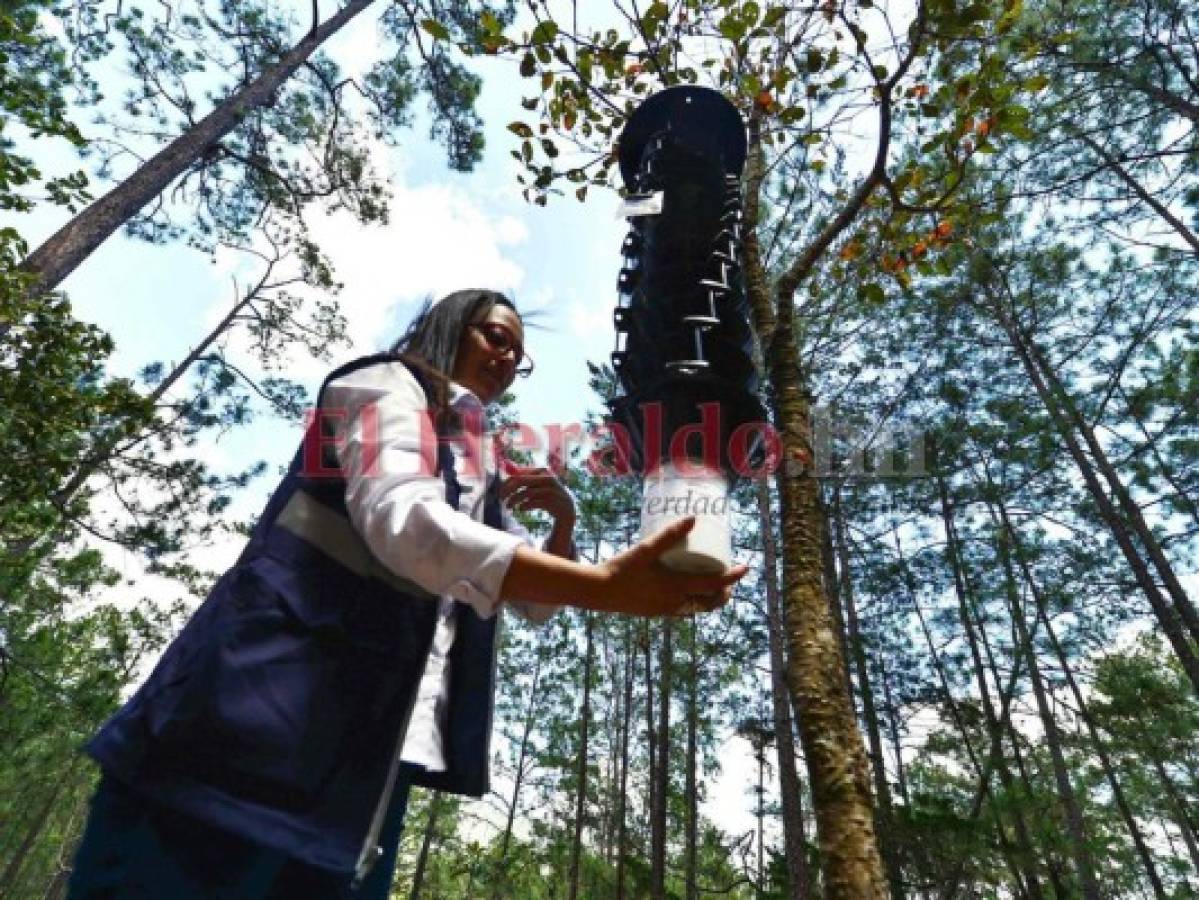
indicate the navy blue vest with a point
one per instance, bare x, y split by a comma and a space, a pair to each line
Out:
278, 710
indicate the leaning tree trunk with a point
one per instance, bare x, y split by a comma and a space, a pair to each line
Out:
995, 727
1084, 866
8, 879
1167, 615
1124, 499
61, 253
790, 789
1134, 830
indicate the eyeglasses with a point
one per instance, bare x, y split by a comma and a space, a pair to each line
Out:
501, 339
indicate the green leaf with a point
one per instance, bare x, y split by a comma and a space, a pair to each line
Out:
520, 129
732, 27
489, 22
435, 28
773, 16
873, 294
528, 66
545, 32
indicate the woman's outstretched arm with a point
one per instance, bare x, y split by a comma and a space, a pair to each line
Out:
633, 582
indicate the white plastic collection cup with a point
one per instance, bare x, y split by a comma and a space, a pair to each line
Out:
671, 495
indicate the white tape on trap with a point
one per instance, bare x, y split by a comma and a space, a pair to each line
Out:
671, 495
641, 205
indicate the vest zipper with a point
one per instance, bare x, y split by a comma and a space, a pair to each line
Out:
371, 851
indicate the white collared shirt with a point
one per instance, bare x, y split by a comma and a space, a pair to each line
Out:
399, 508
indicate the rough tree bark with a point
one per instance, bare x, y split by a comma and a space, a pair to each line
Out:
884, 814
837, 768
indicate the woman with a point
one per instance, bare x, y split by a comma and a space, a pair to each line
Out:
350, 651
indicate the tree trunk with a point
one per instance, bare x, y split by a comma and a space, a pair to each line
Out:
832, 587
691, 792
884, 814
995, 727
8, 879
651, 730
576, 849
837, 768
501, 872
790, 788
1127, 505
60, 254
984, 775
1166, 614
621, 800
1080, 852
816, 672
892, 711
1097, 741
662, 769
422, 859
1181, 818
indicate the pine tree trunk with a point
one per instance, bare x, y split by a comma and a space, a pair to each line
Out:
884, 814
817, 673
422, 859
60, 254
662, 769
1166, 614
501, 870
832, 589
1084, 866
892, 712
691, 792
995, 728
651, 730
12, 871
790, 788
576, 849
1181, 818
984, 774
1127, 505
837, 768
622, 798
1097, 741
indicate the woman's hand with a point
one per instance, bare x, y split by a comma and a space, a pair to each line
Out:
634, 582
641, 585
530, 489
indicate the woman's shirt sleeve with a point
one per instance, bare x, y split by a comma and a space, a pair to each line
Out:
397, 503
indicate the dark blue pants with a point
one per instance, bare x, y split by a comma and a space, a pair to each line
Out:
134, 849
